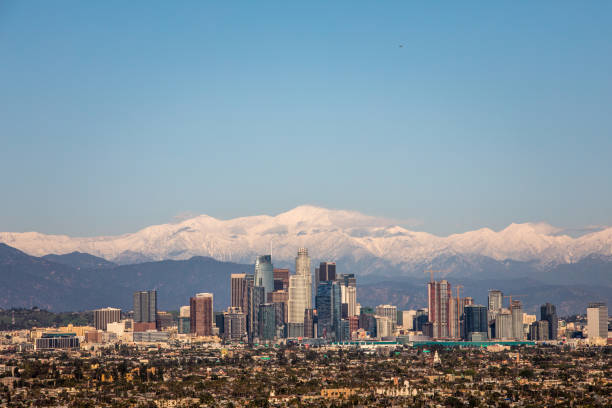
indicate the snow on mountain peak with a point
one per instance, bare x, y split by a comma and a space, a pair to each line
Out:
329, 234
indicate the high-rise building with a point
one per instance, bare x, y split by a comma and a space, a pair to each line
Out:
300, 288
548, 312
164, 320
475, 322
439, 308
249, 282
597, 320
538, 330
256, 299
280, 297
495, 300
102, 317
503, 325
516, 308
406, 319
384, 326
326, 272
349, 298
267, 321
145, 306
264, 273
201, 314
328, 301
347, 279
421, 317
184, 311
237, 283
183, 324
234, 324
281, 279
388, 311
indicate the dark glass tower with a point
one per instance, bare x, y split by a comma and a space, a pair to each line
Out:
475, 320
328, 310
548, 312
145, 306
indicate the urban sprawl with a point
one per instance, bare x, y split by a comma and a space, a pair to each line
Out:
303, 340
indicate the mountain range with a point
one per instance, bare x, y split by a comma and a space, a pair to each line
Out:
197, 255
366, 245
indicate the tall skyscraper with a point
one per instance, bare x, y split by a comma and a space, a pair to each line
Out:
538, 330
503, 325
548, 312
145, 306
281, 279
300, 290
597, 320
326, 272
201, 314
349, 298
347, 279
406, 319
439, 308
264, 273
237, 282
267, 321
102, 317
328, 302
516, 308
475, 322
249, 282
257, 297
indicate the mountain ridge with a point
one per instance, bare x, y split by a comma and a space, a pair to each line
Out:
329, 234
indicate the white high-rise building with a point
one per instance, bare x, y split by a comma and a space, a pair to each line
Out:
302, 268
349, 296
300, 288
597, 320
408, 319
388, 311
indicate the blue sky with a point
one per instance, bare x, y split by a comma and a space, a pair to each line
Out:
452, 116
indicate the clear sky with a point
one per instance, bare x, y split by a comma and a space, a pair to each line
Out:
115, 115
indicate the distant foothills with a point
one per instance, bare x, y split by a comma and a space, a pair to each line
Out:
79, 281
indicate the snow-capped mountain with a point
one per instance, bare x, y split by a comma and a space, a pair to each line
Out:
328, 234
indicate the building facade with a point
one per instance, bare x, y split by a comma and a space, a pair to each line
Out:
597, 320
201, 314
102, 317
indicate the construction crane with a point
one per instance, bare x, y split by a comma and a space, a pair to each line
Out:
510, 299
431, 273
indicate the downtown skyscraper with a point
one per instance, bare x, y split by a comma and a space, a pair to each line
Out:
300, 292
439, 303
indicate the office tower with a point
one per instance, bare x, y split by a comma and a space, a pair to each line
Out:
347, 279
145, 306
495, 300
439, 308
164, 320
548, 312
538, 330
102, 317
453, 307
237, 282
516, 308
384, 326
503, 325
475, 322
256, 298
249, 282
184, 311
234, 321
280, 298
406, 319
388, 311
201, 314
302, 268
267, 321
597, 320
421, 317
281, 279
367, 321
349, 298
264, 273
300, 288
184, 324
328, 309
220, 323
353, 324
326, 272
309, 319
